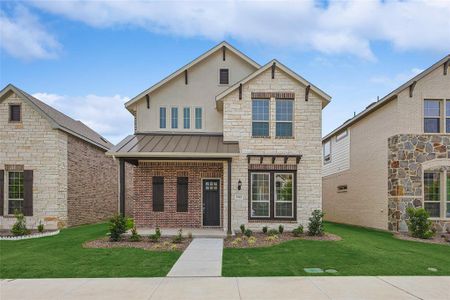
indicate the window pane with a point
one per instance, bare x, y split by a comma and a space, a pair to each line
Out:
174, 117
433, 208
284, 129
223, 76
284, 110
14, 205
283, 195
283, 209
431, 125
162, 117
260, 195
15, 185
447, 125
447, 108
198, 118
432, 108
14, 113
186, 117
326, 149
432, 193
260, 110
260, 129
260, 209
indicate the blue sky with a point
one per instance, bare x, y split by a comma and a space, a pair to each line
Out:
87, 58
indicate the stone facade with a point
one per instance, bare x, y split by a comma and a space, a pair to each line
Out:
237, 126
170, 170
408, 156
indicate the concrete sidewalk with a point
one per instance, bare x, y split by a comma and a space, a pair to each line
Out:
203, 257
364, 287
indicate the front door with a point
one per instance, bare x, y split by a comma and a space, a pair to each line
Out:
211, 202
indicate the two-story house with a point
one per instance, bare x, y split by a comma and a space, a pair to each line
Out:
222, 142
393, 155
53, 168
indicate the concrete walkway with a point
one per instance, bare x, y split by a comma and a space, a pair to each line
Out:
203, 257
416, 287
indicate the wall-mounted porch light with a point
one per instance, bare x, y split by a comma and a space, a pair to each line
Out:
239, 184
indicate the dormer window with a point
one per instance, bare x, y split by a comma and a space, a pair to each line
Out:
224, 76
15, 113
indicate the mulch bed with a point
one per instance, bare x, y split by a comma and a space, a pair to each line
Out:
264, 240
437, 239
164, 244
7, 232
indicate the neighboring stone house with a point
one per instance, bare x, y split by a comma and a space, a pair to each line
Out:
222, 142
394, 154
52, 168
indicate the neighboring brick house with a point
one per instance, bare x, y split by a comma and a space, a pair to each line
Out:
393, 155
52, 168
222, 142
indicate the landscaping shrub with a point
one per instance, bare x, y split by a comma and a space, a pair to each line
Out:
418, 223
264, 230
129, 223
248, 233
20, 227
117, 227
272, 232
242, 228
298, 231
156, 236
135, 237
178, 238
40, 227
315, 226
281, 229
251, 241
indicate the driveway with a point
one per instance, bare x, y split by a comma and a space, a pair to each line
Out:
417, 287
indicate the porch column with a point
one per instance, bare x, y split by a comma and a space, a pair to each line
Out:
122, 187
229, 196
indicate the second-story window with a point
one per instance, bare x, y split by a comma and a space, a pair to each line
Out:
198, 118
260, 117
15, 113
447, 116
284, 111
327, 152
174, 117
186, 118
432, 116
224, 76
162, 117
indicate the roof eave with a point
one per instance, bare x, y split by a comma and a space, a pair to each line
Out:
171, 154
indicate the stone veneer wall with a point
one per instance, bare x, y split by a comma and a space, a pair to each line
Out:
92, 183
406, 154
144, 215
237, 126
36, 146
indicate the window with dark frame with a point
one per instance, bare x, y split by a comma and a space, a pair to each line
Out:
182, 194
224, 76
16, 192
432, 116
284, 112
260, 117
158, 193
15, 113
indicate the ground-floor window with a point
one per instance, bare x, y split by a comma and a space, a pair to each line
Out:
437, 193
15, 192
272, 195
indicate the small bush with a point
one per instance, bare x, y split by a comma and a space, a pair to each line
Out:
242, 228
418, 224
272, 238
135, 237
156, 236
173, 247
40, 227
298, 231
248, 233
20, 227
129, 223
281, 229
178, 238
272, 232
251, 241
315, 226
117, 227
264, 230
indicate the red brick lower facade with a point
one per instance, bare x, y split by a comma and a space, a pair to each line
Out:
196, 171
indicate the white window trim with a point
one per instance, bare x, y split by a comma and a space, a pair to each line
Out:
190, 117
6, 192
262, 121
342, 135
443, 194
326, 158
275, 200
165, 117
178, 117
442, 115
202, 115
292, 120
259, 201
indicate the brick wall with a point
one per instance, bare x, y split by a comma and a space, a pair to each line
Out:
195, 171
92, 183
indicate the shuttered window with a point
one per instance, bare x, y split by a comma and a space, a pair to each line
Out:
2, 192
223, 76
182, 194
158, 193
14, 113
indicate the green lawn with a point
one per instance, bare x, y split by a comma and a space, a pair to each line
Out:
361, 252
63, 256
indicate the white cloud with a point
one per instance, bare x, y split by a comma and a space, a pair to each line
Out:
104, 114
341, 27
397, 79
22, 36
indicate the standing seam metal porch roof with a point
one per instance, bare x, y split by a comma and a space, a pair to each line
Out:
174, 145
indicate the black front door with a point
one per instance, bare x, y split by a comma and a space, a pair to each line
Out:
211, 202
